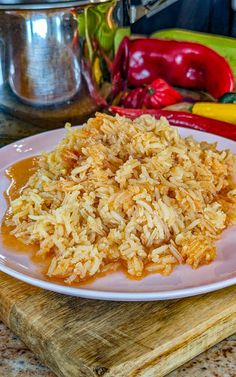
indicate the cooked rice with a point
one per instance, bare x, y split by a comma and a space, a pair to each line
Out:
131, 194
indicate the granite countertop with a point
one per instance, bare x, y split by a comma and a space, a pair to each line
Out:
17, 361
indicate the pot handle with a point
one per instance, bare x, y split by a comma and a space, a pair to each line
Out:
148, 8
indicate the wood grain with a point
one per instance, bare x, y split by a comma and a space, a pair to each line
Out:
77, 337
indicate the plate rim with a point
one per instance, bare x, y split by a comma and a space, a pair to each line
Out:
117, 296
103, 294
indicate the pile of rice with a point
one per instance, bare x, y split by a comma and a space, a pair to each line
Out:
126, 194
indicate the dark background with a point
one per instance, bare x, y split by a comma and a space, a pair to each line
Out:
213, 16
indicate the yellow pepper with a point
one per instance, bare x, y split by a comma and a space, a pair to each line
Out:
97, 73
219, 111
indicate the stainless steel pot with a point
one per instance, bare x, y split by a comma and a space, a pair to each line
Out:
55, 55
55, 58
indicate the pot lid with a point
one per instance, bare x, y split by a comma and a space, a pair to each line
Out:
44, 4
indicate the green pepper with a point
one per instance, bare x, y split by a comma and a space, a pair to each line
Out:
103, 8
81, 24
105, 36
119, 35
88, 20
228, 98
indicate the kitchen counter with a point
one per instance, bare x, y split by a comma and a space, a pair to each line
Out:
12, 129
17, 361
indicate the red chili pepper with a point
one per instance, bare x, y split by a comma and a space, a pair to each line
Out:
160, 94
134, 99
186, 64
75, 40
182, 119
118, 85
98, 48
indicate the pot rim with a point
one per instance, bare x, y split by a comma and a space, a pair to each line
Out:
44, 4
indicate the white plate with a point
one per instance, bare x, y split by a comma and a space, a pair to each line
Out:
182, 282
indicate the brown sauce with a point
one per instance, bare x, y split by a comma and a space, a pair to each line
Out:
19, 174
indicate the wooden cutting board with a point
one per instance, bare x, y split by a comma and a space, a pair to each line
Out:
87, 338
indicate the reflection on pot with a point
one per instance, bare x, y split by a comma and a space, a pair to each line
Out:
46, 70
